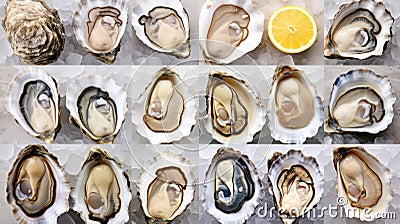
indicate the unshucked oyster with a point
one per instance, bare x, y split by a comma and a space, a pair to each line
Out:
34, 31
37, 189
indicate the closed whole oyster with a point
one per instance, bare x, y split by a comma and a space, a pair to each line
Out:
98, 106
234, 111
162, 25
102, 192
363, 181
34, 31
359, 30
295, 110
99, 26
296, 184
37, 189
232, 188
360, 101
166, 187
34, 102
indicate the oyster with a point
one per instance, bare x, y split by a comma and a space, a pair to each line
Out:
163, 25
360, 101
99, 26
234, 111
359, 30
229, 29
363, 181
296, 183
102, 192
37, 189
98, 106
166, 187
164, 112
34, 31
34, 102
295, 111
232, 187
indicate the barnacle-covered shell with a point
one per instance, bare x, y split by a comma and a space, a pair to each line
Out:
102, 192
360, 101
98, 106
37, 189
166, 187
34, 102
360, 29
34, 31
295, 111
232, 188
99, 26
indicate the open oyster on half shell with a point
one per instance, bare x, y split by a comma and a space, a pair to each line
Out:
360, 101
98, 106
34, 102
166, 187
99, 26
37, 189
359, 30
296, 184
363, 181
163, 25
232, 188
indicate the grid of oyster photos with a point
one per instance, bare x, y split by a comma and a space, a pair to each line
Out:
134, 146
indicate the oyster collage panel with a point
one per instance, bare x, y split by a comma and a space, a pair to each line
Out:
199, 111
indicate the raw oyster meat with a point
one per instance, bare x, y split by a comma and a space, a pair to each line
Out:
37, 189
34, 102
34, 31
99, 26
360, 101
102, 192
232, 188
229, 29
296, 183
165, 111
163, 25
234, 111
166, 187
295, 111
359, 30
363, 181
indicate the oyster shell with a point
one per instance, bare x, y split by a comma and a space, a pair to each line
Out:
98, 106
164, 112
99, 26
360, 101
232, 187
37, 189
295, 111
229, 29
166, 187
363, 181
34, 31
359, 30
234, 111
163, 25
34, 102
102, 192
296, 183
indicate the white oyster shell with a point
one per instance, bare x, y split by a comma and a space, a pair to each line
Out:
187, 117
60, 193
248, 42
144, 7
109, 19
17, 87
361, 78
105, 84
296, 134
